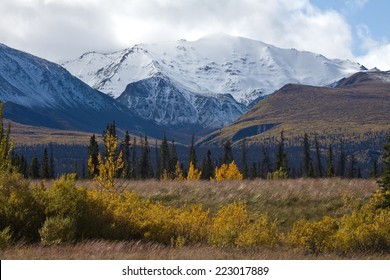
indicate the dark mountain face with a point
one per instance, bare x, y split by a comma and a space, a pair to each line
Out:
40, 93
357, 105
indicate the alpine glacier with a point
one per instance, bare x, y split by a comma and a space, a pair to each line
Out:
209, 82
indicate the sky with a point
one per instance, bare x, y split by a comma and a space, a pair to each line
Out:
60, 30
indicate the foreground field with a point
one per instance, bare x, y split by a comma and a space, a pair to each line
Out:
260, 219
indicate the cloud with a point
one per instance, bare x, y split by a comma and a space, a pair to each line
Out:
64, 29
377, 52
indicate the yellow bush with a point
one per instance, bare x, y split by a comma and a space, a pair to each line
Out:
57, 230
228, 172
5, 238
193, 173
227, 224
262, 232
178, 176
365, 229
315, 237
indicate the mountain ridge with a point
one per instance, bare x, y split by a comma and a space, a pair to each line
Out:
246, 69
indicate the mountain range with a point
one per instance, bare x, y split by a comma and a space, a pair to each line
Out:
179, 87
205, 84
355, 107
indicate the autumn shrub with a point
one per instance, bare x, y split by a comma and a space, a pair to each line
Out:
365, 229
5, 238
228, 172
57, 230
314, 236
260, 232
227, 224
19, 209
176, 226
66, 200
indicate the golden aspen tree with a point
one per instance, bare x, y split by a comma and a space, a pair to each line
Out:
110, 165
178, 173
228, 172
193, 173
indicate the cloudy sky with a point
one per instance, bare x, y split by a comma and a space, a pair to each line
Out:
64, 29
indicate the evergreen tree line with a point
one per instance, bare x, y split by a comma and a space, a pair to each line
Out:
314, 161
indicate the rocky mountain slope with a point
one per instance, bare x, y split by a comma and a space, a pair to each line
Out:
206, 83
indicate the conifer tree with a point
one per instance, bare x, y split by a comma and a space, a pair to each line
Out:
158, 162
45, 168
164, 150
93, 153
208, 168
192, 158
145, 167
281, 157
228, 152
34, 168
384, 183
253, 171
76, 169
51, 161
6, 145
374, 173
308, 165
173, 158
133, 166
330, 167
243, 159
352, 170
342, 159
266, 165
125, 147
318, 153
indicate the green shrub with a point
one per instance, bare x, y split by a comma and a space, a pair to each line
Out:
279, 174
66, 200
57, 230
5, 238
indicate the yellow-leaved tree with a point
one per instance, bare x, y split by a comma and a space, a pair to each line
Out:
193, 173
178, 173
228, 172
110, 165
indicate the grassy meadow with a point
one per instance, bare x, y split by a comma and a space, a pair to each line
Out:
206, 220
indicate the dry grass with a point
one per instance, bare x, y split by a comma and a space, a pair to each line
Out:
109, 250
284, 200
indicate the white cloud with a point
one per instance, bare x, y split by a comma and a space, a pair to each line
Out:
63, 29
377, 52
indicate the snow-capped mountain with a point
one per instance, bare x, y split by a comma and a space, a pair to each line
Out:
39, 92
182, 83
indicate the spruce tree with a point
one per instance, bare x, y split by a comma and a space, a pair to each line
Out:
318, 153
342, 159
352, 170
308, 165
228, 153
253, 171
133, 166
45, 167
34, 168
192, 158
266, 165
164, 150
281, 157
330, 167
243, 159
6, 145
208, 168
158, 162
173, 158
125, 147
374, 169
93, 153
51, 162
384, 183
145, 167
